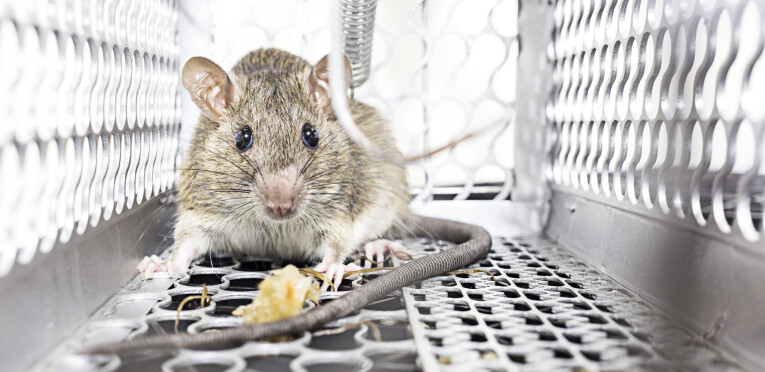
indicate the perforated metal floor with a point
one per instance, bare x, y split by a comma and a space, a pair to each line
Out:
545, 310
541, 310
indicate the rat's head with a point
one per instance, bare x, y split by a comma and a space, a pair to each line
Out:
270, 136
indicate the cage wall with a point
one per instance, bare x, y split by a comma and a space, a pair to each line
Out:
632, 129
656, 163
90, 116
657, 109
89, 125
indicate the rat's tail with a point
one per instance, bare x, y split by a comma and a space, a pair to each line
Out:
474, 244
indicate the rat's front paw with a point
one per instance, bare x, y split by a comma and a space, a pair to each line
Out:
334, 272
153, 264
150, 265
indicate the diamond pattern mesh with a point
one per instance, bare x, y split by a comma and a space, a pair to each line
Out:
656, 107
89, 116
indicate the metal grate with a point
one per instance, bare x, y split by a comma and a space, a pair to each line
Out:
542, 310
89, 112
149, 307
656, 107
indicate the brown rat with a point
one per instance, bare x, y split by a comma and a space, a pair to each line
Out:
292, 186
271, 173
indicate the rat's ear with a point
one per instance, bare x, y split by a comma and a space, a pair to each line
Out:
317, 83
209, 86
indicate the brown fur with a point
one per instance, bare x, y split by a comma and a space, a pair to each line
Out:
341, 181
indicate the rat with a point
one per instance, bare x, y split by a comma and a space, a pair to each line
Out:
271, 173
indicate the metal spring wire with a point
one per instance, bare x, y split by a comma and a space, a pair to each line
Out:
358, 17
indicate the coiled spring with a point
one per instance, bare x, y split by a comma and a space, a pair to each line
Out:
358, 17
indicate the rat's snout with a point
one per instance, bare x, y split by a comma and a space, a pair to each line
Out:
280, 190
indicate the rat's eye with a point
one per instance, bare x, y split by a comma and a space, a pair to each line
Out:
243, 139
310, 136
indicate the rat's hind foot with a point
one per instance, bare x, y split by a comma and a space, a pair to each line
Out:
377, 249
334, 271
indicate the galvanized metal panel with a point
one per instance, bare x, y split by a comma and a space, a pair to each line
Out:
46, 301
652, 106
90, 116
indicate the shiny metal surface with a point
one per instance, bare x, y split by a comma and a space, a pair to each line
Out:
90, 116
630, 133
656, 162
358, 19
653, 109
544, 310
710, 284
45, 301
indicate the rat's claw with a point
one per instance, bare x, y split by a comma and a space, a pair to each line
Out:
153, 264
148, 261
150, 265
170, 267
377, 249
352, 267
177, 265
322, 267
331, 272
150, 269
369, 252
338, 277
334, 272
144, 264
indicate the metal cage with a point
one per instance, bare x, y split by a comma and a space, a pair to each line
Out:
620, 170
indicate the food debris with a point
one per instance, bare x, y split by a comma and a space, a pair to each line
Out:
388, 322
281, 296
319, 276
203, 300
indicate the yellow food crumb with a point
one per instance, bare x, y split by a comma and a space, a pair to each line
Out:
387, 322
281, 296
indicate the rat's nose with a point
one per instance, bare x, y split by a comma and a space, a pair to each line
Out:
279, 209
279, 189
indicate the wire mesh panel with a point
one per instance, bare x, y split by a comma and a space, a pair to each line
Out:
657, 108
436, 69
89, 116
